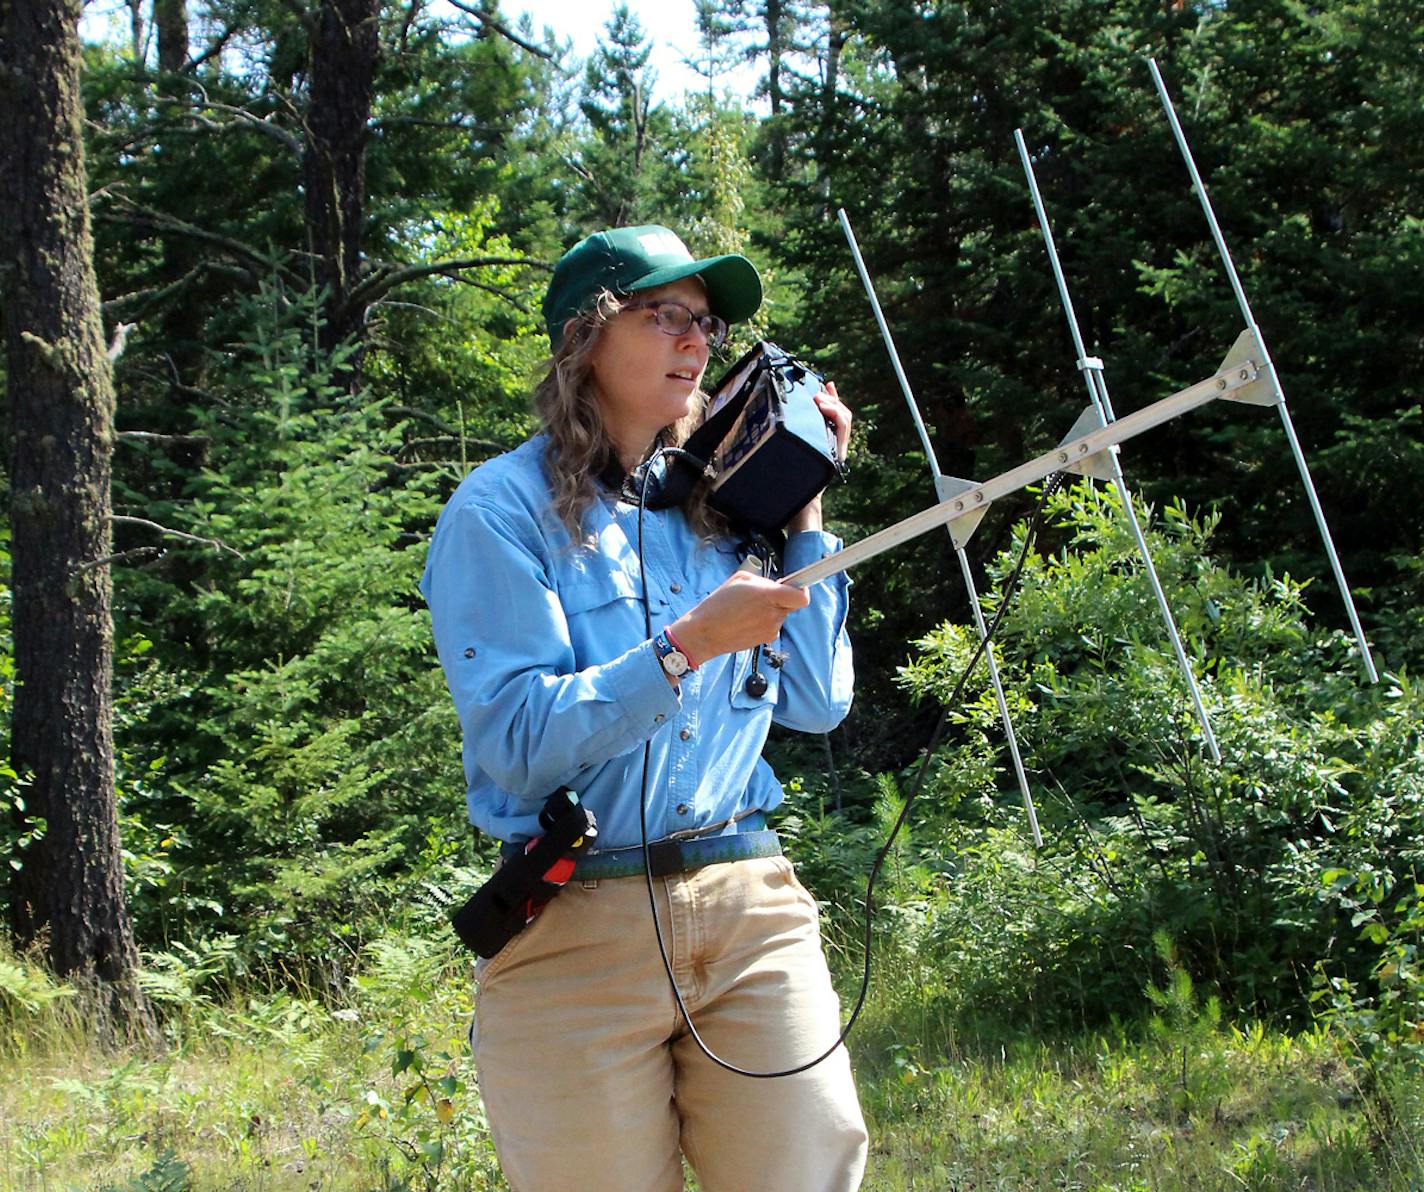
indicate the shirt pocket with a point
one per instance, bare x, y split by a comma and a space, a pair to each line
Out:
604, 610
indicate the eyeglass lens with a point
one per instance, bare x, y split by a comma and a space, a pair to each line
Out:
676, 319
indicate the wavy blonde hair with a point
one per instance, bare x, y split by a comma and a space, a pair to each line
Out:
579, 445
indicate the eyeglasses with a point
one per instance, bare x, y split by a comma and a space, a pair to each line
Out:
673, 318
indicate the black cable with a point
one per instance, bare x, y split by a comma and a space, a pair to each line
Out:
1050, 486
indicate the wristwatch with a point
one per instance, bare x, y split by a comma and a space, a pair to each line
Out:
673, 660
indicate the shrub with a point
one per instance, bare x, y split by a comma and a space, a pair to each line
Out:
1144, 833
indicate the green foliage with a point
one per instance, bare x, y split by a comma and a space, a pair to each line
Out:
455, 365
1105, 1111
38, 1013
267, 1088
25, 989
18, 831
432, 1118
287, 761
1385, 1013
305, 740
622, 161
1188, 1035
168, 1174
1144, 835
181, 981
906, 118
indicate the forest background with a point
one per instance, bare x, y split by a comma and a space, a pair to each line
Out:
321, 231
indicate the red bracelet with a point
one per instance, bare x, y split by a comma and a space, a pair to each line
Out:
677, 645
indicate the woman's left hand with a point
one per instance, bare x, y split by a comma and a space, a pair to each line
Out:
838, 414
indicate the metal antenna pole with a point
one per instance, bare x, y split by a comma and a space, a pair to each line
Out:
944, 493
1236, 380
1092, 369
1270, 373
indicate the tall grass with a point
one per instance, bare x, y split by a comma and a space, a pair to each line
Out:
278, 1088
257, 1088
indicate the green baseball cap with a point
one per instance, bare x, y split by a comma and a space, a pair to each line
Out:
625, 260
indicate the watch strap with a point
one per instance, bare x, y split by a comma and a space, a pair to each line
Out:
680, 648
670, 658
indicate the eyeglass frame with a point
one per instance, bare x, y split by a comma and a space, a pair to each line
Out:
714, 340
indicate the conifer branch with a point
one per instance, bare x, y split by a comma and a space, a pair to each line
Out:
503, 30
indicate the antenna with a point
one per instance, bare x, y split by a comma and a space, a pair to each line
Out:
1277, 395
1246, 375
945, 488
1100, 413
1235, 380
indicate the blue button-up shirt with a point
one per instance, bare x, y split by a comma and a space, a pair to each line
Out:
557, 683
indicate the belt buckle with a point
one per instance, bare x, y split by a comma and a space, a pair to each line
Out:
665, 858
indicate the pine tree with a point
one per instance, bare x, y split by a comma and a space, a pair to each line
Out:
68, 892
618, 163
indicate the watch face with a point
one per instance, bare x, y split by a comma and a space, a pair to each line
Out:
673, 660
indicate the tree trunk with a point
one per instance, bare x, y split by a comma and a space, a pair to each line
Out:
170, 18
773, 15
69, 894
137, 32
837, 28
345, 48
181, 327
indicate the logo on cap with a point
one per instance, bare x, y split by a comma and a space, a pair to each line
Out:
664, 244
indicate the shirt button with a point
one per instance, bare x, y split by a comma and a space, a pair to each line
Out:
676, 588
683, 809
686, 734
470, 652
659, 718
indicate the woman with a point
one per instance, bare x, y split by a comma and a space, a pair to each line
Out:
588, 1074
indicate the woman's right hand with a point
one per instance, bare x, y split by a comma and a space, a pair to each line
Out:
744, 612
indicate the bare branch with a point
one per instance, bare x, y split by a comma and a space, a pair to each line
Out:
385, 278
245, 119
149, 436
486, 130
115, 558
446, 441
411, 12
242, 118
189, 390
425, 310
213, 50
109, 187
236, 271
489, 289
503, 30
121, 520
434, 420
578, 168
160, 221
153, 295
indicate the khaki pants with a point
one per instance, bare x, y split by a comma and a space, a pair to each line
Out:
590, 1078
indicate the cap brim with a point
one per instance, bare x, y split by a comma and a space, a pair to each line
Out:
733, 284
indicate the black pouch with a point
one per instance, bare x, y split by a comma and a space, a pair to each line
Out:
521, 887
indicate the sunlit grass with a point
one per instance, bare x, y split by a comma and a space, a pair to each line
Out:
278, 1090
270, 1090
1111, 1112
1179, 1100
